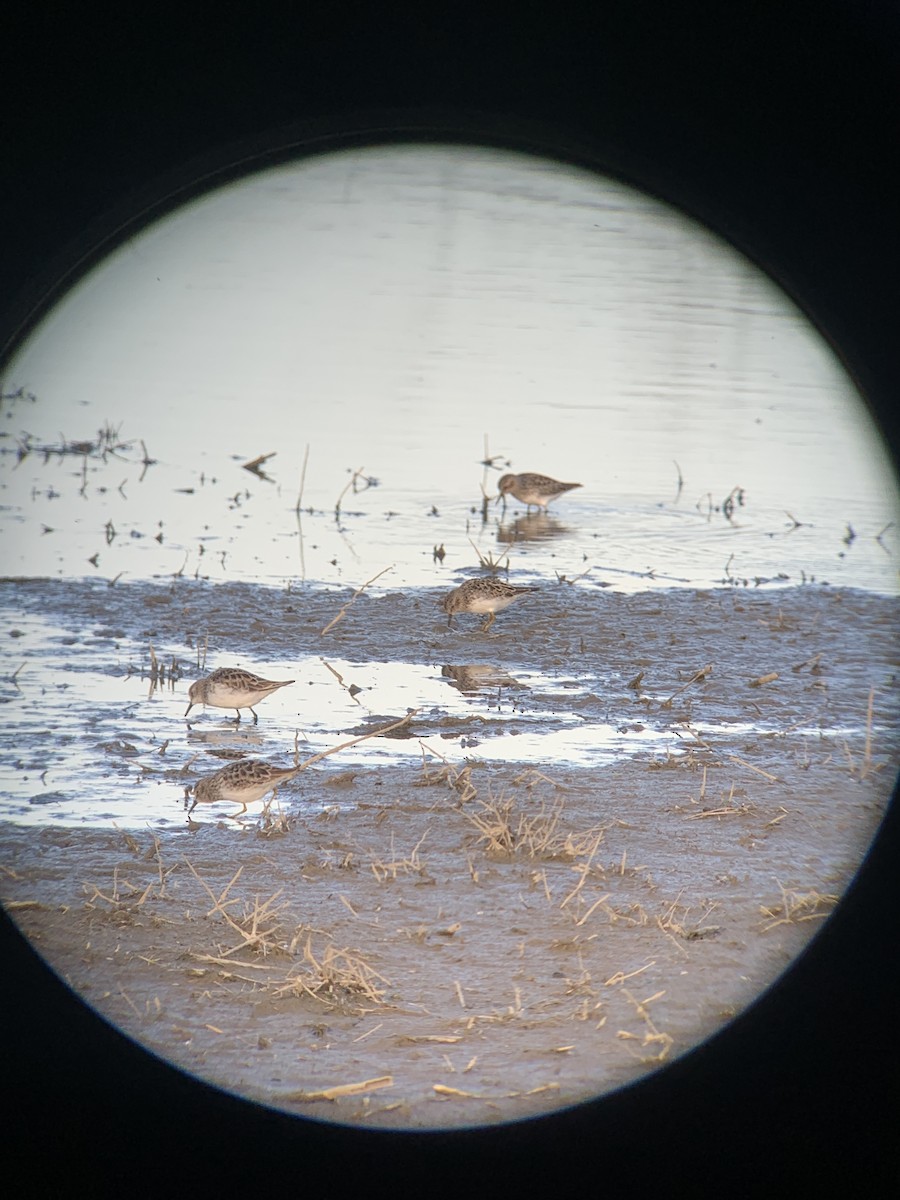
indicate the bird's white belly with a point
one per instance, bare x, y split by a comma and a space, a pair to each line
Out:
486, 604
222, 696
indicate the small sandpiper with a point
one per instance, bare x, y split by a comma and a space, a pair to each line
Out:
230, 687
242, 781
531, 489
486, 595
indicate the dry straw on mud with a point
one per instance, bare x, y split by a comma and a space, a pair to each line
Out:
797, 906
258, 928
341, 1090
125, 896
338, 978
506, 829
410, 864
652, 1035
458, 779
334, 977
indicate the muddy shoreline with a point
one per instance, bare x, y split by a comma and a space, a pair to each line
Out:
442, 943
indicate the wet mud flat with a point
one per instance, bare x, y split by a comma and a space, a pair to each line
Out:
449, 941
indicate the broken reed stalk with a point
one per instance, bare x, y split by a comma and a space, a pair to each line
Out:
770, 677
255, 465
340, 616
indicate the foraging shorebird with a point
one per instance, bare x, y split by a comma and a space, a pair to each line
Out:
230, 687
531, 489
485, 595
243, 781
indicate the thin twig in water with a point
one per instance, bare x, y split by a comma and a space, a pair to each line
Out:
362, 738
680, 482
695, 678
337, 503
12, 678
302, 480
750, 767
350, 688
358, 592
297, 512
879, 536
351, 484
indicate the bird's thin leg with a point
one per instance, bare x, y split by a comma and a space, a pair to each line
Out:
255, 717
449, 620
488, 623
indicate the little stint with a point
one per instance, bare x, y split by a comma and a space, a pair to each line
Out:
231, 687
242, 781
484, 595
531, 489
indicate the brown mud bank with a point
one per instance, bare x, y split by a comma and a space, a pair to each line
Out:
583, 625
453, 942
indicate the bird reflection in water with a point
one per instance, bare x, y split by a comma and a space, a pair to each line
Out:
532, 527
474, 678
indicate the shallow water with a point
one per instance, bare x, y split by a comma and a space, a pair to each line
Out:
582, 677
408, 312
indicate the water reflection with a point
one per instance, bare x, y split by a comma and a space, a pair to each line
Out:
532, 527
474, 678
225, 735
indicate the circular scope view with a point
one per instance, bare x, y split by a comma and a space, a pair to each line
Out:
450, 607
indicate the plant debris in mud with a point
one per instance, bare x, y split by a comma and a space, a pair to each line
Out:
796, 907
339, 978
506, 829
